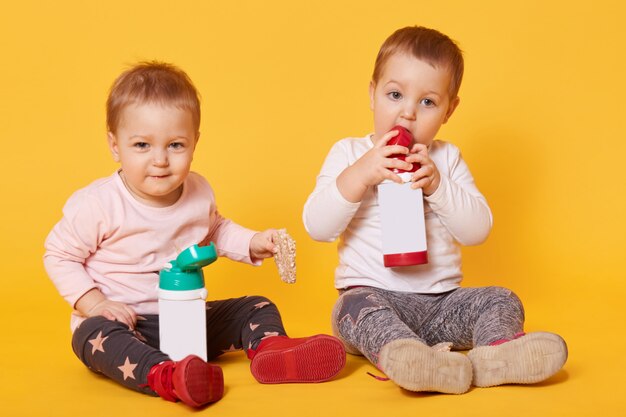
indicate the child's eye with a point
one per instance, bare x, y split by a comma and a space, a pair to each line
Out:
394, 95
176, 145
140, 145
428, 102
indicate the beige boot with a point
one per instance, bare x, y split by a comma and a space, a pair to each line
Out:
531, 358
416, 367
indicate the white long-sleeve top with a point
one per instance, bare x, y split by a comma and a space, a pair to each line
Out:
456, 214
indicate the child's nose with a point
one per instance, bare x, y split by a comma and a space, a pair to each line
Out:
409, 111
159, 158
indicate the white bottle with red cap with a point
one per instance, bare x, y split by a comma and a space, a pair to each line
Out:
402, 214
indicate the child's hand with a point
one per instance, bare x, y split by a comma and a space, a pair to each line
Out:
372, 168
116, 311
427, 177
93, 303
262, 244
375, 166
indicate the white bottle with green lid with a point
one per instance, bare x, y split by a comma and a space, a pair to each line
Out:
182, 303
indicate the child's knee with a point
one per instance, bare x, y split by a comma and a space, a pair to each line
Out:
93, 328
508, 300
508, 296
258, 301
87, 330
353, 307
90, 326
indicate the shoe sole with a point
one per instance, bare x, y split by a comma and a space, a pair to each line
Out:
416, 367
199, 383
531, 358
319, 359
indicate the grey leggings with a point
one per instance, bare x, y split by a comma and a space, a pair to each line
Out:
367, 318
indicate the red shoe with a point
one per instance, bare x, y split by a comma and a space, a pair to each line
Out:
192, 380
279, 359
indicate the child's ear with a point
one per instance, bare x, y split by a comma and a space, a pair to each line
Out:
113, 146
372, 91
453, 105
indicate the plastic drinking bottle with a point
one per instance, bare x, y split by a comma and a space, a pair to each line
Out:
402, 214
182, 303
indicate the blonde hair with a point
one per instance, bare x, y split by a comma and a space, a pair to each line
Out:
425, 44
152, 82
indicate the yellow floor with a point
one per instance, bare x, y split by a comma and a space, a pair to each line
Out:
41, 377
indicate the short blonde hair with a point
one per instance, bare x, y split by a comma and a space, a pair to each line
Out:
152, 82
426, 44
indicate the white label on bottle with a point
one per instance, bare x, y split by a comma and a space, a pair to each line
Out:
182, 328
402, 218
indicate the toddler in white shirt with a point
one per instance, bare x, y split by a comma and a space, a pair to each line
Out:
406, 319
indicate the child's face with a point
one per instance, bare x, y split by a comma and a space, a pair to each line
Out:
413, 94
154, 145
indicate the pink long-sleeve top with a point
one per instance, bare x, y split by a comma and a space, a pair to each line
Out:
110, 241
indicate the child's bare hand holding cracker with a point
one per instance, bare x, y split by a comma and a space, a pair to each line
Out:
279, 244
262, 244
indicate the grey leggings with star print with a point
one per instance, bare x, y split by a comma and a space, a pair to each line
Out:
367, 318
110, 348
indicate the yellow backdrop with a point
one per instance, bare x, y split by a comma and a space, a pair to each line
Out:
541, 124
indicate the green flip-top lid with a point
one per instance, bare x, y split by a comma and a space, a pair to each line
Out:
185, 272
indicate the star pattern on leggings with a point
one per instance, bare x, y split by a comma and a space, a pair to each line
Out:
354, 306
262, 304
232, 348
127, 369
98, 343
254, 326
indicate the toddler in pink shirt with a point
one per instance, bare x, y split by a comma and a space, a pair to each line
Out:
104, 255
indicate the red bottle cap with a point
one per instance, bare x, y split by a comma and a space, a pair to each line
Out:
403, 138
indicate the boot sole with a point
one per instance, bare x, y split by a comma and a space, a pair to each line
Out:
416, 367
531, 358
199, 383
319, 359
